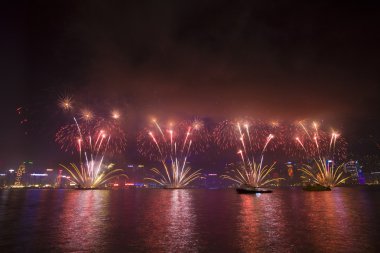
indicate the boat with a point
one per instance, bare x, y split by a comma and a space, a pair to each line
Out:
247, 189
316, 188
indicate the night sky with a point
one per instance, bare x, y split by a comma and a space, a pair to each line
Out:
179, 59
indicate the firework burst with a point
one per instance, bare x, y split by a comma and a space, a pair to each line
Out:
227, 134
250, 172
66, 103
324, 173
91, 147
325, 148
87, 115
91, 137
255, 175
67, 136
92, 125
115, 114
314, 141
92, 175
172, 146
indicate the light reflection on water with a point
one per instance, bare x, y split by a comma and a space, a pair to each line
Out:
262, 225
181, 217
288, 220
334, 221
85, 219
172, 220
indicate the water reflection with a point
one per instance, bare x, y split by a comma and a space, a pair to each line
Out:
172, 222
306, 221
182, 220
84, 221
261, 224
288, 220
332, 221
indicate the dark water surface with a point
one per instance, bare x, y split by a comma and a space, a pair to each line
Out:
149, 220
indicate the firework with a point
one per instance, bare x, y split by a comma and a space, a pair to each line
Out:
91, 147
324, 148
91, 137
200, 135
115, 114
324, 173
228, 134
255, 175
315, 142
250, 172
301, 140
113, 128
172, 146
87, 115
92, 175
66, 103
91, 125
67, 136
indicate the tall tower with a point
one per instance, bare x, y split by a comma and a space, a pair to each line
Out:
19, 173
58, 179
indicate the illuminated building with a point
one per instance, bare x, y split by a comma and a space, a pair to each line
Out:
135, 172
373, 177
42, 177
352, 168
19, 175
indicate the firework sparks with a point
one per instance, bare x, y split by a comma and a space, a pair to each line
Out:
256, 175
67, 136
324, 173
92, 175
66, 103
87, 115
323, 148
92, 138
172, 146
317, 143
115, 114
300, 140
250, 172
92, 147
228, 134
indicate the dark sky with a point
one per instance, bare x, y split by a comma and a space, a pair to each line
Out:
215, 59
